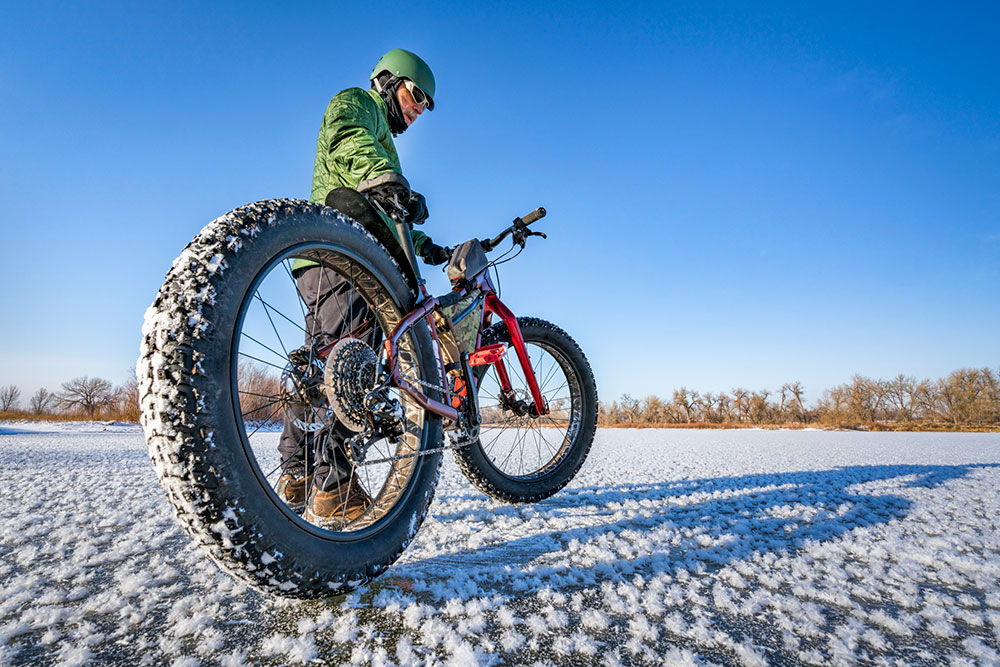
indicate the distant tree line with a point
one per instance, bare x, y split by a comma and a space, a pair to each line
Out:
969, 397
81, 398
99, 399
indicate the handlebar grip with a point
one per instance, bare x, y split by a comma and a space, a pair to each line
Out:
537, 214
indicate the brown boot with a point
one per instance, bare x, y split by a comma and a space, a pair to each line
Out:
292, 490
340, 505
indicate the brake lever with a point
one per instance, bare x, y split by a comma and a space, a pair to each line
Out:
521, 234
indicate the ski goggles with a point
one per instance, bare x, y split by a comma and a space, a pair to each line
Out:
419, 96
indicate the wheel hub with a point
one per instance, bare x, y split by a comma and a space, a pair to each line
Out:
520, 403
302, 379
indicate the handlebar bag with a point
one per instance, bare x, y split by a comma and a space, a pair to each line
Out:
467, 261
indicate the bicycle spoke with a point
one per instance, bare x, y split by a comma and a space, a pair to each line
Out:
507, 458
272, 351
500, 432
269, 319
282, 462
250, 393
287, 265
538, 450
267, 305
266, 363
266, 405
266, 420
564, 384
552, 372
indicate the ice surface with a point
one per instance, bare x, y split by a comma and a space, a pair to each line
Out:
688, 547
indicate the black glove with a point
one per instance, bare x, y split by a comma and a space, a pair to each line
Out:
434, 254
416, 210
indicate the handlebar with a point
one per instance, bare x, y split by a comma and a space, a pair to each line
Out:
535, 215
519, 229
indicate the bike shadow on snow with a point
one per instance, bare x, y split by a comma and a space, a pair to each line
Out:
684, 524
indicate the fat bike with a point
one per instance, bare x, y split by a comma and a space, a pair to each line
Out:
222, 359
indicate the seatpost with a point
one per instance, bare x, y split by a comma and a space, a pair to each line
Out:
403, 230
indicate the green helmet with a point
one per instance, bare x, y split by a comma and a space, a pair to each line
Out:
406, 65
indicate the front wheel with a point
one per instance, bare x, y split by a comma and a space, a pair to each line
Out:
520, 457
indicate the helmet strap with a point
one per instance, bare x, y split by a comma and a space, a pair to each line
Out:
385, 85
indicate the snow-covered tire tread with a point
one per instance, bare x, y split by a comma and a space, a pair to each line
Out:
175, 391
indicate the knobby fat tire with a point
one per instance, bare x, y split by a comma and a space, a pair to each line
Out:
191, 426
475, 464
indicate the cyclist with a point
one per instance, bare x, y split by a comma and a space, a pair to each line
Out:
355, 154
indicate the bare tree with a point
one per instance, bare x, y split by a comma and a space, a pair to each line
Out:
861, 399
630, 409
964, 397
609, 414
784, 393
127, 399
41, 401
924, 400
654, 411
836, 402
740, 402
797, 391
901, 396
879, 390
725, 407
685, 401
708, 401
9, 396
87, 394
949, 403
261, 395
968, 396
760, 410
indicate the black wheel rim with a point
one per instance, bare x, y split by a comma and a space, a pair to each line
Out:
271, 311
520, 447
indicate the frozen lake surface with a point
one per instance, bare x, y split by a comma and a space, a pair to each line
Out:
685, 547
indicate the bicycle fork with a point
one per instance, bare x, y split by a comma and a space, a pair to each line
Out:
494, 305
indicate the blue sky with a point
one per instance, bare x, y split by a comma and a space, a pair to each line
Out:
737, 195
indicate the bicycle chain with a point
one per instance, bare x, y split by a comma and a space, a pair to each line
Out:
432, 386
414, 455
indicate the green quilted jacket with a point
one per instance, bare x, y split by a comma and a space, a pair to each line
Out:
355, 144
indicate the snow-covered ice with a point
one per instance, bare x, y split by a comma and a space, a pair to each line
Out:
684, 547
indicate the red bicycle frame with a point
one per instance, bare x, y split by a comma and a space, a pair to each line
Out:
488, 355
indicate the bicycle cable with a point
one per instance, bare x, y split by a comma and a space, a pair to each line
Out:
503, 259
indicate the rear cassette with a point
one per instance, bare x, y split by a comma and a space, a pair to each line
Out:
349, 376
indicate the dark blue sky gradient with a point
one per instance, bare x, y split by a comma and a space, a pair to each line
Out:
737, 196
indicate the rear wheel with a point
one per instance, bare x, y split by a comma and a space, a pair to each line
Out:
520, 457
223, 360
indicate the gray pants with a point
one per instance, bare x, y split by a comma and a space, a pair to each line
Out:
333, 310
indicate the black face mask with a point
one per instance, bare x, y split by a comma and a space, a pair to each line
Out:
397, 122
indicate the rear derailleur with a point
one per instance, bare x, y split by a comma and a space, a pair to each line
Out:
385, 419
